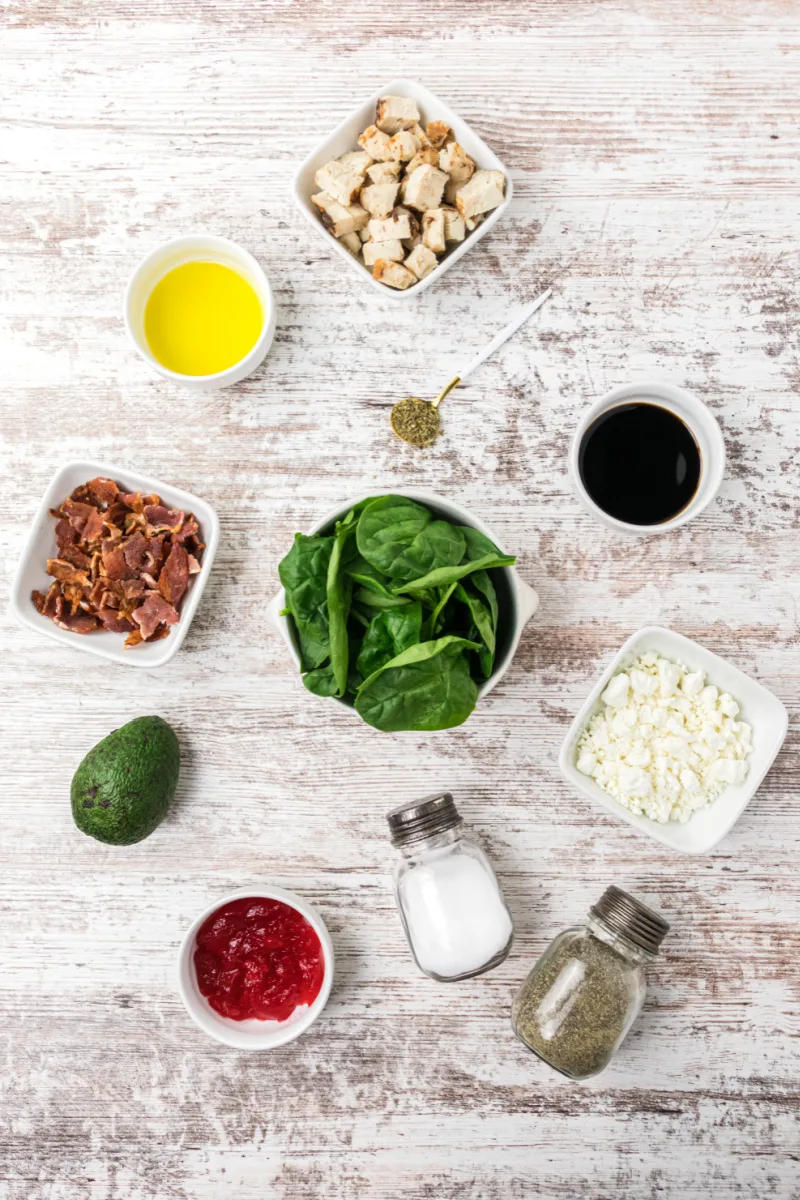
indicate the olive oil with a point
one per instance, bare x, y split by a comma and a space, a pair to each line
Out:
201, 318
640, 463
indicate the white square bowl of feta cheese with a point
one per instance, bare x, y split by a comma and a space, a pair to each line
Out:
681, 737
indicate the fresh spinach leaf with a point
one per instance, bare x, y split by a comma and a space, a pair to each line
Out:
339, 589
482, 582
304, 575
363, 573
482, 621
389, 633
427, 687
321, 681
442, 576
439, 544
478, 545
372, 599
386, 528
433, 622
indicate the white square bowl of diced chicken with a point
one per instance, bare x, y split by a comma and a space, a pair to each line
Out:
402, 188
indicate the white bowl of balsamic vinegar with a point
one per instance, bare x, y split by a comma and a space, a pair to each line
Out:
647, 457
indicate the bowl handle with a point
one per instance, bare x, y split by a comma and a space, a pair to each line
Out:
528, 601
274, 609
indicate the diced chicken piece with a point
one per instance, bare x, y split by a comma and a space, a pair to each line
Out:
421, 261
397, 226
413, 219
375, 143
351, 242
425, 187
379, 198
421, 136
451, 191
394, 274
439, 134
339, 218
433, 230
429, 156
393, 113
473, 222
364, 234
355, 160
412, 242
339, 182
391, 251
403, 189
456, 162
403, 146
485, 190
454, 228
384, 172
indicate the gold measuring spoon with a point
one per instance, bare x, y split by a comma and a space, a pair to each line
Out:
417, 421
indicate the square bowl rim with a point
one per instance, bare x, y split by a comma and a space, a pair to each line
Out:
402, 86
654, 829
82, 642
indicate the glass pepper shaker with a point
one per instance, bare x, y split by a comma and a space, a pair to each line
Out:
586, 990
453, 911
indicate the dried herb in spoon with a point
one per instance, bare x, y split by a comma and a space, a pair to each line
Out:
415, 421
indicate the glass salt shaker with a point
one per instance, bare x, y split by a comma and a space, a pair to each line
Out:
453, 911
587, 989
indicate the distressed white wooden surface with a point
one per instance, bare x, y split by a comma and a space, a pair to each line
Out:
654, 147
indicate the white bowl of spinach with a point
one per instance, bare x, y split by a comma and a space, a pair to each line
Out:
402, 607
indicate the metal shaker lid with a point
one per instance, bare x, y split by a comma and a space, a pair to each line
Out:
423, 818
631, 919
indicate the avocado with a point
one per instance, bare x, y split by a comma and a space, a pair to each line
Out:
124, 786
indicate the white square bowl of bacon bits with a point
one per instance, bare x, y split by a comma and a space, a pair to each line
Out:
402, 188
115, 563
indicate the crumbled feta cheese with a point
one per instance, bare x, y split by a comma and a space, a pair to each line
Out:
728, 705
586, 763
666, 743
668, 675
693, 682
616, 693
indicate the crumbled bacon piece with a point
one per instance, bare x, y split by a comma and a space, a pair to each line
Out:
114, 563
174, 577
93, 528
154, 612
76, 556
66, 572
189, 529
112, 620
77, 513
104, 490
66, 534
79, 622
134, 550
159, 517
123, 564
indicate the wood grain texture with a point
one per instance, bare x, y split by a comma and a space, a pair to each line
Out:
654, 150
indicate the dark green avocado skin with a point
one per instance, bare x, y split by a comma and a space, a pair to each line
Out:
124, 786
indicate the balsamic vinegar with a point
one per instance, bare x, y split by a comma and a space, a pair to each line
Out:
640, 463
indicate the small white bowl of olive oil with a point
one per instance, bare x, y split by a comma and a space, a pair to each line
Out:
200, 311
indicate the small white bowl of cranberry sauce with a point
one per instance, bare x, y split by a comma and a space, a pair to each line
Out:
255, 969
